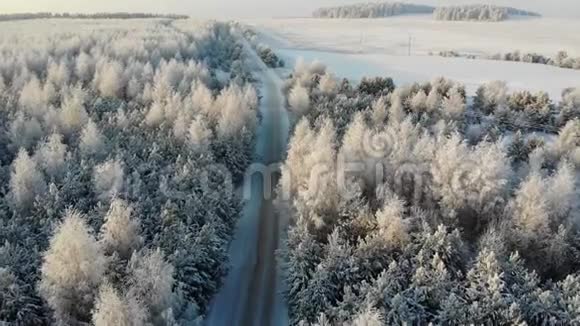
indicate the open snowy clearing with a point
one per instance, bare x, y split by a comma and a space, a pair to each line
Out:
391, 35
354, 48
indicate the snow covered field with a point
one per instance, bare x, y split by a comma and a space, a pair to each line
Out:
391, 35
354, 48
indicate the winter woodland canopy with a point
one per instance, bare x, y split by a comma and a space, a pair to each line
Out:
120, 144
425, 207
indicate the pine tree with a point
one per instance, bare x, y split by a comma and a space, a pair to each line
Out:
489, 298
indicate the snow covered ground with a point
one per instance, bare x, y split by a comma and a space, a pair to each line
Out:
391, 35
354, 48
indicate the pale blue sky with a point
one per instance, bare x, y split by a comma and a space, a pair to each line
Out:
255, 8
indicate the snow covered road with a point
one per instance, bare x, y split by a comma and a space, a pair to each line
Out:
251, 294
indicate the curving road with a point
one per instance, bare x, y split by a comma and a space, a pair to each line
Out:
251, 294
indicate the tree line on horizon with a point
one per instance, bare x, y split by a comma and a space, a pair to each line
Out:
104, 15
475, 12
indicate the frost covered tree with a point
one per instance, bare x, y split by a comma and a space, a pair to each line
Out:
570, 106
121, 231
488, 294
490, 96
51, 156
393, 229
237, 111
319, 192
25, 132
419, 102
33, 98
202, 98
453, 107
73, 115
433, 100
92, 141
109, 80
108, 179
541, 213
293, 175
26, 181
568, 139
58, 73
199, 134
368, 317
156, 114
151, 280
380, 113
355, 150
112, 308
299, 100
471, 184
327, 85
84, 67
72, 270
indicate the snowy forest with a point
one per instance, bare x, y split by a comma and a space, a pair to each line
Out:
372, 10
415, 205
479, 13
163, 171
120, 145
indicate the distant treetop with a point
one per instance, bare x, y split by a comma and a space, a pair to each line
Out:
373, 10
480, 12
